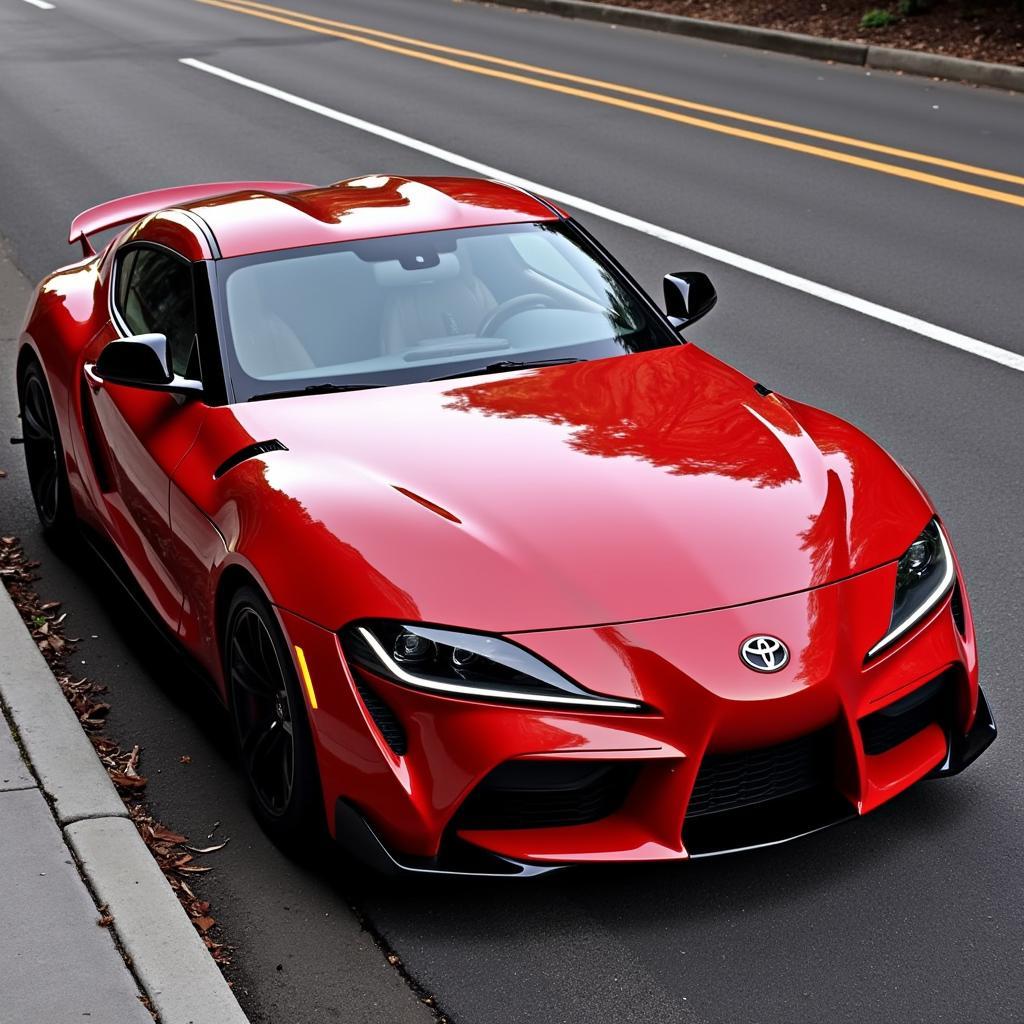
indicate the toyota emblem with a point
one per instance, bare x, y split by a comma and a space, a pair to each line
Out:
764, 653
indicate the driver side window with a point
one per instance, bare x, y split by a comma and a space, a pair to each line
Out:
154, 296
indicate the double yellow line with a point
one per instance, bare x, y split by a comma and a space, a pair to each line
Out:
642, 101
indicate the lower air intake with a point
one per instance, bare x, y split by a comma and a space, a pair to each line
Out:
546, 794
885, 729
729, 782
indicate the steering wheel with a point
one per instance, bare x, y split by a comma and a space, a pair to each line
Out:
509, 308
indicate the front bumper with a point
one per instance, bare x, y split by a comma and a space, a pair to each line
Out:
399, 766
775, 824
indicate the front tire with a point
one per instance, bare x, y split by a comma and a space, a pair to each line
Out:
44, 453
272, 730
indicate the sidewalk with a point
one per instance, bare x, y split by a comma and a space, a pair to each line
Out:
57, 964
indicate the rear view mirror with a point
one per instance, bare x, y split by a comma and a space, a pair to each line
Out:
689, 295
142, 362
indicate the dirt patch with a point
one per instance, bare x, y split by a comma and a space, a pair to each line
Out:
991, 31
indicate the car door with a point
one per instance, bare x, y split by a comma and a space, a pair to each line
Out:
144, 434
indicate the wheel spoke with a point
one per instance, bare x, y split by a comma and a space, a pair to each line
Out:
36, 423
257, 680
45, 479
256, 750
262, 710
256, 690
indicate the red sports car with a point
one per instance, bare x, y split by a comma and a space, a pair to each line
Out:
495, 572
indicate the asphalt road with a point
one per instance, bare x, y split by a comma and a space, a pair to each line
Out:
915, 913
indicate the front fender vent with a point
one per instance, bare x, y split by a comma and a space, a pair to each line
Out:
250, 451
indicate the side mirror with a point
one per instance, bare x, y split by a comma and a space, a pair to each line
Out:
689, 295
142, 362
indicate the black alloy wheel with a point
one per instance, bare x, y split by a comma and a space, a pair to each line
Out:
269, 715
44, 453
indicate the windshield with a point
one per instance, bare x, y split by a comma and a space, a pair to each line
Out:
422, 306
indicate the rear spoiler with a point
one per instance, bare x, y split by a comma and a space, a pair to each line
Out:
131, 208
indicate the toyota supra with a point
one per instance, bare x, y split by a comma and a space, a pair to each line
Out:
494, 570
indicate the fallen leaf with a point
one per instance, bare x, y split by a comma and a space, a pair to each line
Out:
159, 832
208, 849
127, 781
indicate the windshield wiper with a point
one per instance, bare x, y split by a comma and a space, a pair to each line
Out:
509, 364
315, 389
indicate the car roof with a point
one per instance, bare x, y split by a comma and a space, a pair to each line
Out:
371, 206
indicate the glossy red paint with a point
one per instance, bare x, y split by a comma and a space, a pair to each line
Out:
129, 209
367, 207
631, 520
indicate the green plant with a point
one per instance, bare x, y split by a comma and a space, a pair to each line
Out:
878, 18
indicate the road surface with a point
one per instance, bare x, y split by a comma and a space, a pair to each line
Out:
829, 204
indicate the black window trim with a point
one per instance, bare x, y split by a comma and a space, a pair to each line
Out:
202, 277
123, 251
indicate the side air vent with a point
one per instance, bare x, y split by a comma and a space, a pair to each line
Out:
957, 607
250, 451
383, 717
99, 457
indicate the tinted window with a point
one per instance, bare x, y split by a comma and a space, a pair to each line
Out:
155, 297
124, 276
415, 307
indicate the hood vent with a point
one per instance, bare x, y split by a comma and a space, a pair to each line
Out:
250, 451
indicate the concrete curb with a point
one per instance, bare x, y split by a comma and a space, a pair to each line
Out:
914, 62
937, 65
167, 954
168, 957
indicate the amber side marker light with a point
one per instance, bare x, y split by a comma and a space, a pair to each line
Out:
304, 669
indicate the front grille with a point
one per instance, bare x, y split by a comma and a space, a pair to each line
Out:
546, 794
384, 718
728, 782
885, 729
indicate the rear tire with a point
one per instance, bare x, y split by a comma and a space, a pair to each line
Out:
268, 712
44, 453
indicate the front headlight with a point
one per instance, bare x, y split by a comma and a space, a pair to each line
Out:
924, 576
472, 665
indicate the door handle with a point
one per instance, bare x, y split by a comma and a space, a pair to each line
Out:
94, 381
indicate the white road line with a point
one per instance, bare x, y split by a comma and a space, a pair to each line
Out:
994, 353
41, 4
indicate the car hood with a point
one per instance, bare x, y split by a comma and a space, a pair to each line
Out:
621, 489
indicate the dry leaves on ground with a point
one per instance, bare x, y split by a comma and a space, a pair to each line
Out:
991, 30
170, 849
